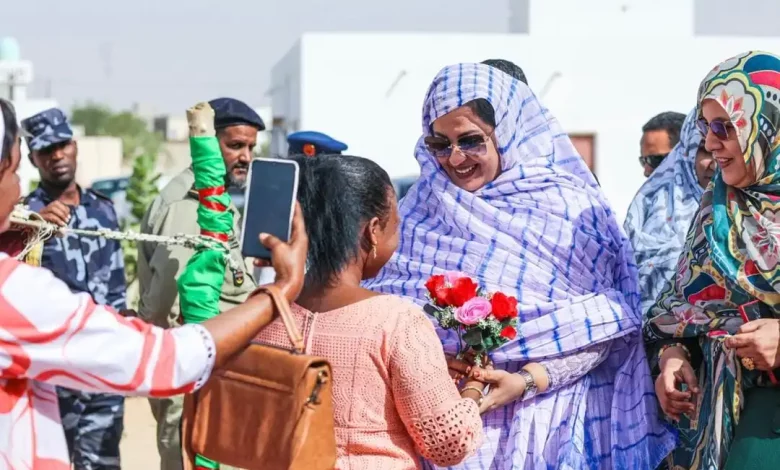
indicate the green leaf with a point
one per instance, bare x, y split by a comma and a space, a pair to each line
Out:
473, 338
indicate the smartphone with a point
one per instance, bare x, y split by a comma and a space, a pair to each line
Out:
269, 203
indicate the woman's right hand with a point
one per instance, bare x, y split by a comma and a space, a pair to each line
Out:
289, 259
676, 369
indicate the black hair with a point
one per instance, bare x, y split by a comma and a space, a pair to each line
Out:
339, 194
668, 121
11, 131
484, 111
508, 67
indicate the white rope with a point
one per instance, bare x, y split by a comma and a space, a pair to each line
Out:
21, 216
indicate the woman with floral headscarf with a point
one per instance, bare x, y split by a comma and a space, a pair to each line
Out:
714, 332
504, 197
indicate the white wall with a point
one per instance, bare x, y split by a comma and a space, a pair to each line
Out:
607, 85
286, 97
99, 157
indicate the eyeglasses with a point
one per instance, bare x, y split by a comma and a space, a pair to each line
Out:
719, 128
470, 146
653, 161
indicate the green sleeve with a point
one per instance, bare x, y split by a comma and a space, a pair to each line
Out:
201, 283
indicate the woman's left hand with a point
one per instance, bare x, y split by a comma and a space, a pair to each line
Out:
758, 340
505, 387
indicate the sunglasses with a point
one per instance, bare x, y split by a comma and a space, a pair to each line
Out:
653, 161
719, 128
470, 146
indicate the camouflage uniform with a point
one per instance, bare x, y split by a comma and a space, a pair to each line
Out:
173, 212
93, 422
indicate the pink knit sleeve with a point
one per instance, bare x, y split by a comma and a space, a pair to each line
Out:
445, 427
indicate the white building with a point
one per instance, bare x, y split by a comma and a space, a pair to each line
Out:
603, 68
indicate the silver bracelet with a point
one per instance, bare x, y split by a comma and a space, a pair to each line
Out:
530, 385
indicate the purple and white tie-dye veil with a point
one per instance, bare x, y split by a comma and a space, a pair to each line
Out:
544, 232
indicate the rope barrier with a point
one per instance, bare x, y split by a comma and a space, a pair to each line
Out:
26, 219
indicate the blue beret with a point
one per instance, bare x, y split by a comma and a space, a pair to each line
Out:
232, 112
320, 143
46, 128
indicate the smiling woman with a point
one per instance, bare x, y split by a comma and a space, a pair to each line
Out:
504, 197
720, 312
464, 144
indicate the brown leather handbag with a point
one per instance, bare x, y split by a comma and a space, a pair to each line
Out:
268, 408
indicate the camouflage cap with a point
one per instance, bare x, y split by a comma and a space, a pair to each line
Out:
46, 129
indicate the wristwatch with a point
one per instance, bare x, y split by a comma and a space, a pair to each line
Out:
530, 385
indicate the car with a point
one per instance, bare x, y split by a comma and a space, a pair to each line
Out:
403, 184
109, 187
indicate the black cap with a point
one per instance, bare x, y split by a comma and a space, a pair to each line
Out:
232, 112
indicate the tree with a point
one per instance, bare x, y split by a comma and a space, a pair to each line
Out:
136, 137
140, 193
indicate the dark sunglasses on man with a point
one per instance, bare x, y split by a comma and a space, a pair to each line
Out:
653, 161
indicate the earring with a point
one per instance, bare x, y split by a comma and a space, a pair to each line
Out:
373, 251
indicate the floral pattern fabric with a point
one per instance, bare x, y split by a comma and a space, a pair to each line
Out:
730, 259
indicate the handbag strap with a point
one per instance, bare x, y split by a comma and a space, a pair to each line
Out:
283, 307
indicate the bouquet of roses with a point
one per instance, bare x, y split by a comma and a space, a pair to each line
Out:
483, 320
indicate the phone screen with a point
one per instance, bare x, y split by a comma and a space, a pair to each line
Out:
269, 203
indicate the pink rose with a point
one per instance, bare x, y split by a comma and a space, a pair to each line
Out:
473, 311
453, 276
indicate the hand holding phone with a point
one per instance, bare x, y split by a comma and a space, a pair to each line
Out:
271, 192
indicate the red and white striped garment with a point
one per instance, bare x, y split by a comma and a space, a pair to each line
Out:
50, 336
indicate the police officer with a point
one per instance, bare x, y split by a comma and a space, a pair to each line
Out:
174, 211
311, 143
93, 422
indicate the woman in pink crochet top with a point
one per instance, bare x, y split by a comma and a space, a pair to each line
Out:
394, 399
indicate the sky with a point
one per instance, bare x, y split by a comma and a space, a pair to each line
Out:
167, 54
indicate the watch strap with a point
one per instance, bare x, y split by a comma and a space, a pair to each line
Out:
530, 385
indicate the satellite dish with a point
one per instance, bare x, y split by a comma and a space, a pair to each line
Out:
9, 49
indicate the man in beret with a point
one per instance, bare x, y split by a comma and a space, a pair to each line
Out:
173, 212
311, 144
93, 422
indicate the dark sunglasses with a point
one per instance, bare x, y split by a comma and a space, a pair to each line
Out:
719, 128
653, 161
470, 145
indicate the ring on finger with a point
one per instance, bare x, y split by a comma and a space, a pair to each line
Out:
748, 363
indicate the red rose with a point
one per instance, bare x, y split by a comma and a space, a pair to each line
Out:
463, 290
437, 287
509, 332
504, 306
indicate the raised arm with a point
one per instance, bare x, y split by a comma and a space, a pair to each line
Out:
445, 427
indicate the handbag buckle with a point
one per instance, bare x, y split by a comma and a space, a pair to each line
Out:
314, 398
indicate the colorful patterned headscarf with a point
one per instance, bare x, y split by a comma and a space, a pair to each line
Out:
544, 232
741, 226
661, 212
730, 259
